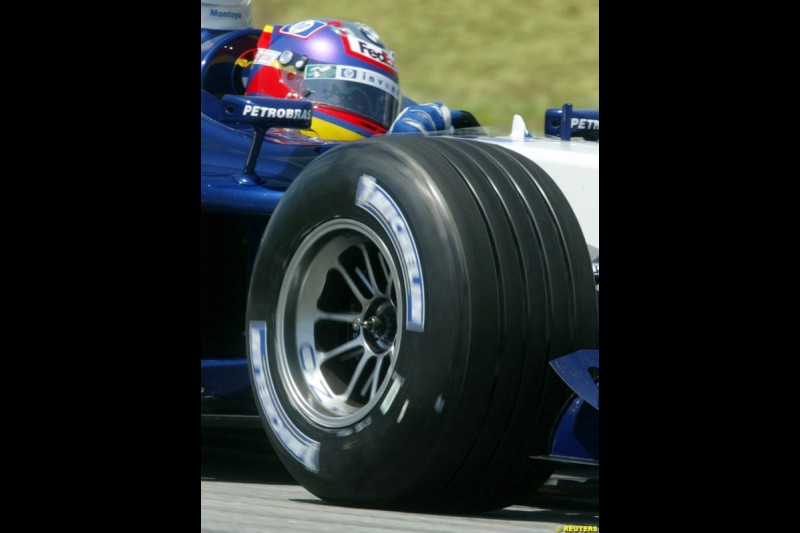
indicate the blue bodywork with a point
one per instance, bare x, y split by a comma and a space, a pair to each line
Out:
224, 151
221, 378
575, 435
237, 200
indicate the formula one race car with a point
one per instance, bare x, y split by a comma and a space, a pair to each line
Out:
412, 318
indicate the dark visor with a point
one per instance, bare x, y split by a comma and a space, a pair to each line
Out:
372, 97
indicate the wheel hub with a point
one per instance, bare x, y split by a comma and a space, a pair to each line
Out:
337, 322
379, 325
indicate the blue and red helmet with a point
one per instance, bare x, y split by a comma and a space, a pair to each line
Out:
343, 67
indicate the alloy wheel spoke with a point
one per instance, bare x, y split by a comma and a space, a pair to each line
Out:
357, 374
372, 289
337, 317
373, 282
387, 275
373, 381
322, 357
351, 284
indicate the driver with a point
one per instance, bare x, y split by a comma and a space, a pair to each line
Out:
349, 74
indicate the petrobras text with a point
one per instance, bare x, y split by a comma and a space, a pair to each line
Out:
271, 112
585, 123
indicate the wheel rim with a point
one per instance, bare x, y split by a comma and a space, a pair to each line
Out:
338, 323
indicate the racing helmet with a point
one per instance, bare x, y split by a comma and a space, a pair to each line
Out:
343, 67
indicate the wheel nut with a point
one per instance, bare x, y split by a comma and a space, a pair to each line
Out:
368, 324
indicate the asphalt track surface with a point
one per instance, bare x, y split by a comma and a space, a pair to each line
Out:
244, 488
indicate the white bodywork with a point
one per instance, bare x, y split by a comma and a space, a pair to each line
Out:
574, 166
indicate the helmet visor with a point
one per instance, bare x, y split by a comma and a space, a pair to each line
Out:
353, 89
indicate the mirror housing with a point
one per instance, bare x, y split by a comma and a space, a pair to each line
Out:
266, 112
263, 113
567, 123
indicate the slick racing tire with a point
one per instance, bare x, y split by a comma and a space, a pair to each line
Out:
406, 298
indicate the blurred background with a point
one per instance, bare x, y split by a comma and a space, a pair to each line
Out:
494, 58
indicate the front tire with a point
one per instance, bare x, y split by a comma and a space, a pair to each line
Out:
407, 296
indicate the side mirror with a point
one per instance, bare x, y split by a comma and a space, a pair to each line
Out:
263, 113
567, 123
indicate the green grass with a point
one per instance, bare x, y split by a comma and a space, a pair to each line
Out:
493, 58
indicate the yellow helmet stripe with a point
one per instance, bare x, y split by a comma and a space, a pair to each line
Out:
328, 130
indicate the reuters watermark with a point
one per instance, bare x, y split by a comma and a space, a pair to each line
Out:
576, 529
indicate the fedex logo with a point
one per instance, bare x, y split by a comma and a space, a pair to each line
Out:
382, 58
